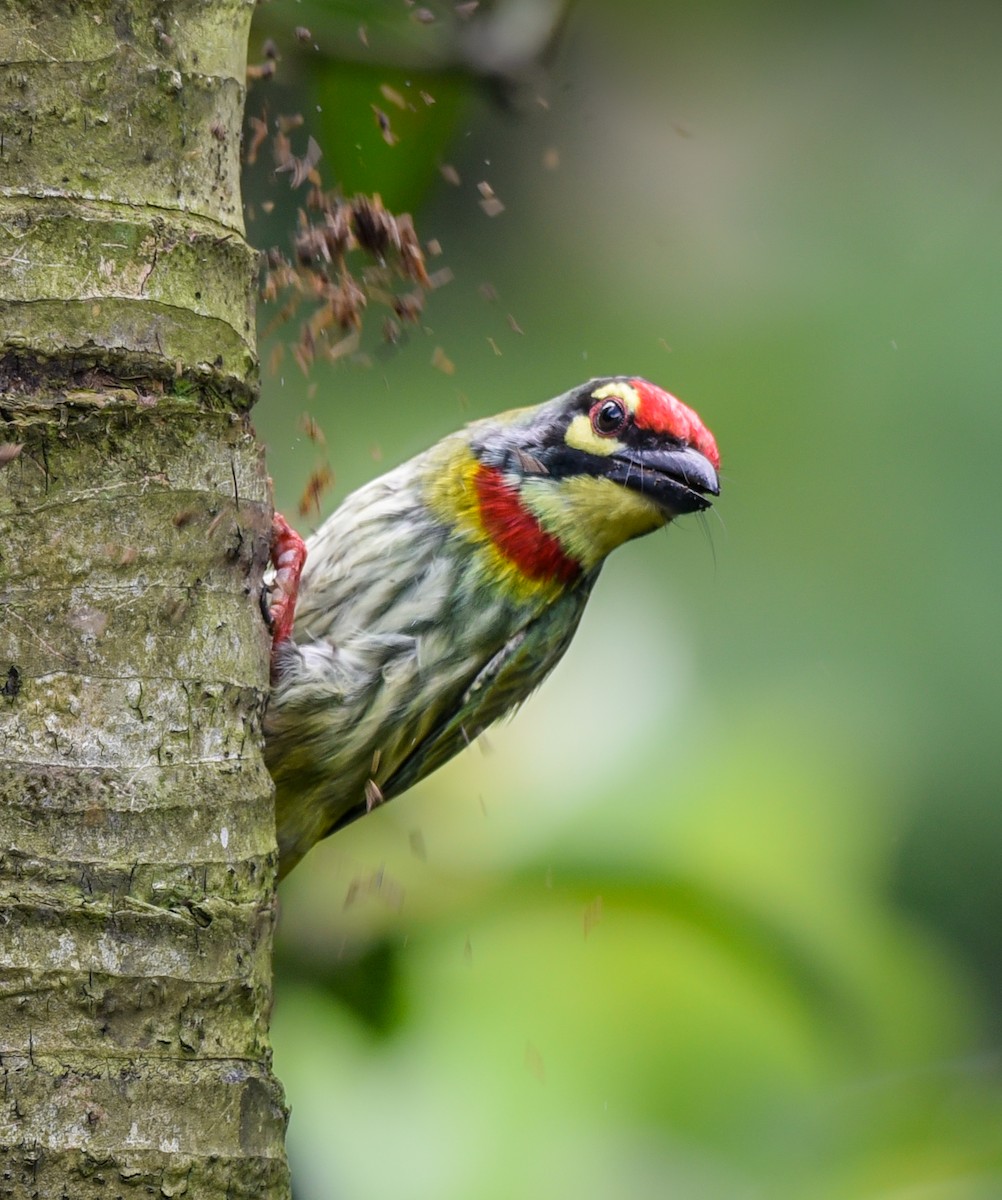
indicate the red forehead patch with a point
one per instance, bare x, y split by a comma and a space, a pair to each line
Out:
661, 412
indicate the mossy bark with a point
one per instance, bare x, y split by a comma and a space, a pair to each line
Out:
137, 854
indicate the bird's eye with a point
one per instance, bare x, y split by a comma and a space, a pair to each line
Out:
608, 417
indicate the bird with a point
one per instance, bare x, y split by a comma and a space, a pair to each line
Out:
439, 596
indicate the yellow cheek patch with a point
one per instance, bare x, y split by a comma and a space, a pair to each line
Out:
581, 436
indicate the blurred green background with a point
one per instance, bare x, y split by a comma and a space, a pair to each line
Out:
718, 914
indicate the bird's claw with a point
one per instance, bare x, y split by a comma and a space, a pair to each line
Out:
288, 555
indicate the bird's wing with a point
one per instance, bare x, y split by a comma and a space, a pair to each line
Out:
507, 679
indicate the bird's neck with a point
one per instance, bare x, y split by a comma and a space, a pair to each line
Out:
516, 531
589, 514
487, 508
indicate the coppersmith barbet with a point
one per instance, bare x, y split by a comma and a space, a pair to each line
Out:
439, 596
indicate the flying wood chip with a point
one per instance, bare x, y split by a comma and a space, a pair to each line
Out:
322, 272
300, 168
310, 426
257, 71
383, 121
375, 228
317, 484
391, 94
258, 133
441, 361
409, 306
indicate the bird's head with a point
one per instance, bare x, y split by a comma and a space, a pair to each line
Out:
549, 491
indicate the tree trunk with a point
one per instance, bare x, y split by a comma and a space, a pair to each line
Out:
137, 852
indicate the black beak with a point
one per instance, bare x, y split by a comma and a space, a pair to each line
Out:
677, 480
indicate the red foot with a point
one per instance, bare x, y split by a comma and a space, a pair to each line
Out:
288, 554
